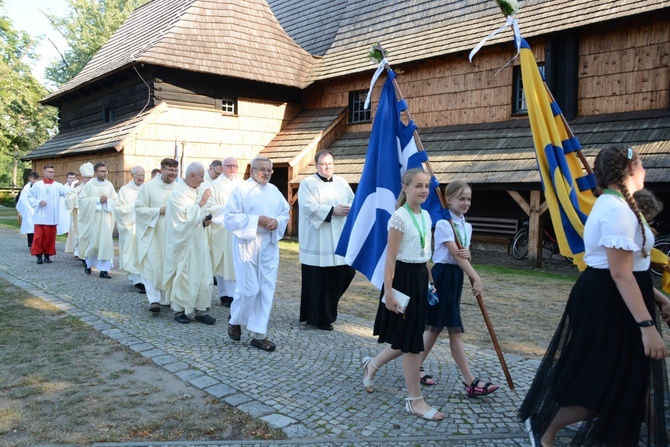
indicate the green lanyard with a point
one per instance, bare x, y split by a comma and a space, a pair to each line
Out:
422, 235
462, 238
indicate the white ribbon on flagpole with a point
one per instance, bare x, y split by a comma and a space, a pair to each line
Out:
511, 21
378, 72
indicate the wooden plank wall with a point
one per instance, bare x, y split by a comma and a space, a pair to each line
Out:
440, 92
129, 96
207, 135
625, 67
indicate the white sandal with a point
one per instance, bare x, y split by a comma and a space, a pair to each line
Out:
429, 415
368, 383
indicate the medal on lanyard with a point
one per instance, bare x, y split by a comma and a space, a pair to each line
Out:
422, 234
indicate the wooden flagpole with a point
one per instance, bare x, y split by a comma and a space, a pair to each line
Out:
480, 298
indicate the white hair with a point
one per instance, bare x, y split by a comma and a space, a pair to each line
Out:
194, 168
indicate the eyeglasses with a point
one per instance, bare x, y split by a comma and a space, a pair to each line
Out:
264, 170
325, 165
102, 172
230, 166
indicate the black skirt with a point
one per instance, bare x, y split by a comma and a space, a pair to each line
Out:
596, 360
322, 288
447, 312
405, 331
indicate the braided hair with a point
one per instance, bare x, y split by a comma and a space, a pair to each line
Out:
610, 169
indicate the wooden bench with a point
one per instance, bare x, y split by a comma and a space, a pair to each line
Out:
494, 229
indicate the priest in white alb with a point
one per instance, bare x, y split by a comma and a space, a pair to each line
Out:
25, 210
124, 213
257, 214
96, 222
150, 230
220, 239
187, 270
323, 200
72, 205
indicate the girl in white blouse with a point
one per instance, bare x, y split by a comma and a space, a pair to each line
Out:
406, 271
605, 364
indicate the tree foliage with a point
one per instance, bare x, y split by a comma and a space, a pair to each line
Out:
24, 123
86, 28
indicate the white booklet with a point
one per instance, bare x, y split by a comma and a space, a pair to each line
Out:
402, 298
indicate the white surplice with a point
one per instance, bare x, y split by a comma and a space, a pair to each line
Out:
318, 238
25, 210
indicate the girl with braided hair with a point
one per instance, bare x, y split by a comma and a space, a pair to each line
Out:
605, 364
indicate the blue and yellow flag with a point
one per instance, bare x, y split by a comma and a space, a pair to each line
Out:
566, 185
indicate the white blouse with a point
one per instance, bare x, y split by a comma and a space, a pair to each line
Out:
445, 233
612, 224
410, 244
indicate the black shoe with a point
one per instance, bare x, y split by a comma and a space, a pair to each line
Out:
182, 318
265, 344
39, 259
226, 301
325, 327
87, 270
103, 275
47, 260
206, 319
235, 332
140, 288
154, 307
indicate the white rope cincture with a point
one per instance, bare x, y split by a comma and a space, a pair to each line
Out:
380, 68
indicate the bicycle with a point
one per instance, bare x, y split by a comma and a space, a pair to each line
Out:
520, 243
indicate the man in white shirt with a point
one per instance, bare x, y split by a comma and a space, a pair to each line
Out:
25, 210
96, 222
44, 198
221, 240
150, 232
72, 205
323, 200
124, 213
257, 215
187, 271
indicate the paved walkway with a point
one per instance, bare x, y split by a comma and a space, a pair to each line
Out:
311, 387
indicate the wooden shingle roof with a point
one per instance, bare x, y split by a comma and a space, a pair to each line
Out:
422, 29
236, 38
303, 133
96, 138
271, 40
503, 153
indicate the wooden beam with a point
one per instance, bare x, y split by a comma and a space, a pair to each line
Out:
520, 201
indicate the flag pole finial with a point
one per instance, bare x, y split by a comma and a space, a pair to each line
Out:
377, 53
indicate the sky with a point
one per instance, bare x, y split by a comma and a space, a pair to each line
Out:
26, 15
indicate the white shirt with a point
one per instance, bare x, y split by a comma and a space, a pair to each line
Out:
612, 224
410, 244
445, 233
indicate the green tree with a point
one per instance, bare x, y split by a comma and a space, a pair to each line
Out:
86, 28
24, 123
